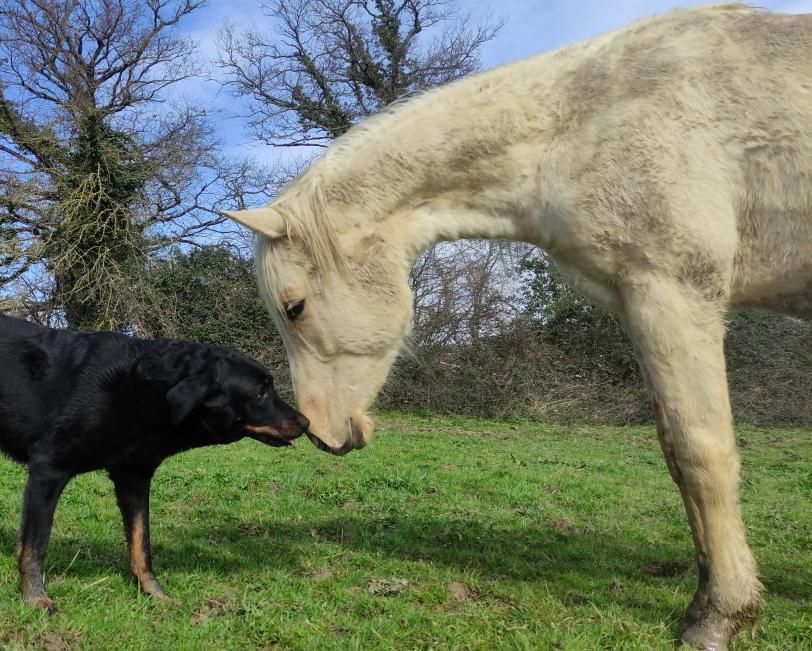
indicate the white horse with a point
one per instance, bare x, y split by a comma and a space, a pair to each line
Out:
666, 167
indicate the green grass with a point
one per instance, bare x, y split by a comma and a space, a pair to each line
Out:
510, 535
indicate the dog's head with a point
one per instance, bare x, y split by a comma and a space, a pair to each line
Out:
219, 393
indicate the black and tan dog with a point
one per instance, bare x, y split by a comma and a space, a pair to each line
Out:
75, 402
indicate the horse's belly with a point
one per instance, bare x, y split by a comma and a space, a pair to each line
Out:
773, 263
788, 295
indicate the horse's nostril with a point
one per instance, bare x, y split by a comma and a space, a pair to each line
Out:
303, 422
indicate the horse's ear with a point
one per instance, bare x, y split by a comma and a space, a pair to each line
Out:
263, 221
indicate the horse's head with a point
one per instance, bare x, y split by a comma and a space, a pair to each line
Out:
342, 303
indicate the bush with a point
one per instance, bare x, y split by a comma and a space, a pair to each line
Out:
210, 295
578, 377
578, 366
769, 360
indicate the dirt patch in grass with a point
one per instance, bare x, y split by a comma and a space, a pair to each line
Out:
254, 529
57, 641
322, 574
213, 607
563, 524
387, 587
458, 591
668, 569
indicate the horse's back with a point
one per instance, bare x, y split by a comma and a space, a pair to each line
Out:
766, 119
689, 141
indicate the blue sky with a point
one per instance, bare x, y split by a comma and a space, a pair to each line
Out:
531, 26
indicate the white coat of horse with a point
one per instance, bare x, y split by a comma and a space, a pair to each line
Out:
666, 167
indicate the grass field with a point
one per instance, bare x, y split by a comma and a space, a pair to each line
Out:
446, 533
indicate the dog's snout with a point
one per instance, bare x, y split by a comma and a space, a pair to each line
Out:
302, 421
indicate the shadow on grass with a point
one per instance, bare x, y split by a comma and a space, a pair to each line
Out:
571, 562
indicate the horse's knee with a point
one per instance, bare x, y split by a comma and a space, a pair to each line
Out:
707, 465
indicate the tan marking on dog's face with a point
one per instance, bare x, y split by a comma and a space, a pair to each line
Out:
262, 429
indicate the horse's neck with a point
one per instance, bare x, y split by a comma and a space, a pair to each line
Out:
439, 185
444, 220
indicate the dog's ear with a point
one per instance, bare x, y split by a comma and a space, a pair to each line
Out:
186, 396
184, 375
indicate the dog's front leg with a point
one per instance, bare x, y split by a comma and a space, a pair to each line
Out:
132, 492
39, 503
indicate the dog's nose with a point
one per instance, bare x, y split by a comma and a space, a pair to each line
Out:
303, 422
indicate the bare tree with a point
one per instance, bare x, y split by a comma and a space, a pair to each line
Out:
321, 66
100, 163
324, 64
465, 291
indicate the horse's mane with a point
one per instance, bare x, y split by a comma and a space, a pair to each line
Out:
303, 204
308, 223
369, 126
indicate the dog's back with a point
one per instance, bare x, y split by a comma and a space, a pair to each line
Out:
40, 368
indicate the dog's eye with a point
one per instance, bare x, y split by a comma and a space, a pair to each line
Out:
294, 309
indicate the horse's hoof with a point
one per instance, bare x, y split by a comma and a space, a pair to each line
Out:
706, 637
710, 630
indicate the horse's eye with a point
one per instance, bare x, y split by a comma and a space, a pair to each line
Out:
294, 309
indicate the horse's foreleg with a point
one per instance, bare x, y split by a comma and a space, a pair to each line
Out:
679, 342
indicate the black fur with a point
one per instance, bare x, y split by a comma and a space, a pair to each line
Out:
75, 402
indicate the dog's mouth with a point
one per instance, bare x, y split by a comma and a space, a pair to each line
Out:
270, 435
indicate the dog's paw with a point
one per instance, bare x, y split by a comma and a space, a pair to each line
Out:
150, 586
41, 601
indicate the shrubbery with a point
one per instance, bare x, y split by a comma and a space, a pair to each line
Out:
527, 372
573, 365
